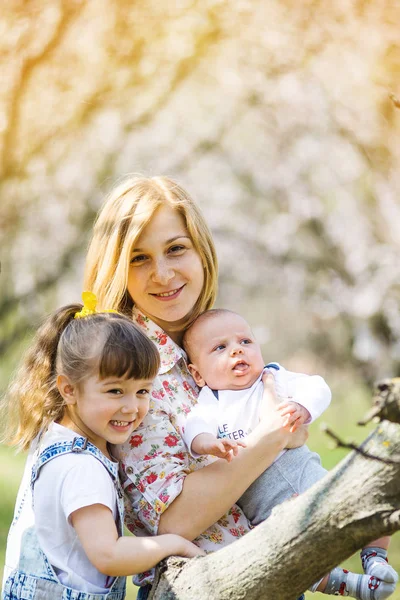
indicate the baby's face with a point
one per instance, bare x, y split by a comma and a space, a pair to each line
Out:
225, 353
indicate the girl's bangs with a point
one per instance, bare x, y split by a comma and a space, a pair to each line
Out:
128, 354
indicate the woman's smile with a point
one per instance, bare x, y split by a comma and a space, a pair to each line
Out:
166, 274
171, 295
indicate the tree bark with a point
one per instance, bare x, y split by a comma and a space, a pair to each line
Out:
356, 502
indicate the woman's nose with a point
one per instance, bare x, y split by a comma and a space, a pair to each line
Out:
162, 273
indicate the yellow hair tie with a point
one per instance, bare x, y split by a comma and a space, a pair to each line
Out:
89, 306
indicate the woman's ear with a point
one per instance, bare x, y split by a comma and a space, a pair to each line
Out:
196, 375
66, 389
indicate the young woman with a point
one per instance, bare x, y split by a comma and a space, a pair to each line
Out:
152, 257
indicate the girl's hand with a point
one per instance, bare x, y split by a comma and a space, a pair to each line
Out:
207, 443
187, 549
295, 414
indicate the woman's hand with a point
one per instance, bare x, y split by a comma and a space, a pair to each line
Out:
298, 438
270, 415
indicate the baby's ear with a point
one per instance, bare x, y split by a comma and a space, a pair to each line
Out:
66, 389
196, 375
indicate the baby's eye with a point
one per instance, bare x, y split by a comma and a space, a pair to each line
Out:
219, 347
245, 341
139, 258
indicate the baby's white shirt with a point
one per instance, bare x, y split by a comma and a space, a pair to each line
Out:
236, 412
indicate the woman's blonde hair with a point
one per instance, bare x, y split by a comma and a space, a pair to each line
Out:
107, 344
125, 213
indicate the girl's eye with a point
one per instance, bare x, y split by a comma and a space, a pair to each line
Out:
116, 391
143, 392
137, 259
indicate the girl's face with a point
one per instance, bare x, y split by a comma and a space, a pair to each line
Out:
166, 275
105, 410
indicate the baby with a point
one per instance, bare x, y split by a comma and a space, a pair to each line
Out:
226, 362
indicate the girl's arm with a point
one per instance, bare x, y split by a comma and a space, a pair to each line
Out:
113, 555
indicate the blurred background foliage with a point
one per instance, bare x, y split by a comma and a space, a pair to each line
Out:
275, 114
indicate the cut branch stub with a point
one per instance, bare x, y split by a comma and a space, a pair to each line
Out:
386, 402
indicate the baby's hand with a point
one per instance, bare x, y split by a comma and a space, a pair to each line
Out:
295, 414
206, 443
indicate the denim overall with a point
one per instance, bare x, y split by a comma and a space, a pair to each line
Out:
35, 579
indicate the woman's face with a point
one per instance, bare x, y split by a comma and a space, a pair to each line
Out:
166, 274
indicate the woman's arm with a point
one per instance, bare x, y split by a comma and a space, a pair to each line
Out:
216, 487
113, 555
298, 438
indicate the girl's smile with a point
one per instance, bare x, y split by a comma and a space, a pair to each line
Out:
104, 410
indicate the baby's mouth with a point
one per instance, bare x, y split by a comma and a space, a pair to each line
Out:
240, 366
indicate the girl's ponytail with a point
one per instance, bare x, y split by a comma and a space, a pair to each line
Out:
32, 400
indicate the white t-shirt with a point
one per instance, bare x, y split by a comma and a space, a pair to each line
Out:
236, 412
65, 484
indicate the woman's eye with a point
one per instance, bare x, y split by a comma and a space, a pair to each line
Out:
177, 248
139, 258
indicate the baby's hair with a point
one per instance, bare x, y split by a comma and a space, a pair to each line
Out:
107, 344
202, 318
127, 210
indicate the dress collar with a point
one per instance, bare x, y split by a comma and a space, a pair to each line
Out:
170, 352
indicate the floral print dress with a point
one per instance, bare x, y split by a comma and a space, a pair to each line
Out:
155, 461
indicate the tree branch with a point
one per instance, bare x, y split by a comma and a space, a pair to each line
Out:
327, 524
351, 446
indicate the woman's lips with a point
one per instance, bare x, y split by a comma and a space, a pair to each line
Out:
167, 296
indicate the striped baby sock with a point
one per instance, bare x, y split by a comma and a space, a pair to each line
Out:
364, 587
374, 561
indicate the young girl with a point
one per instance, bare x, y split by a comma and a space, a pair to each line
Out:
85, 384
